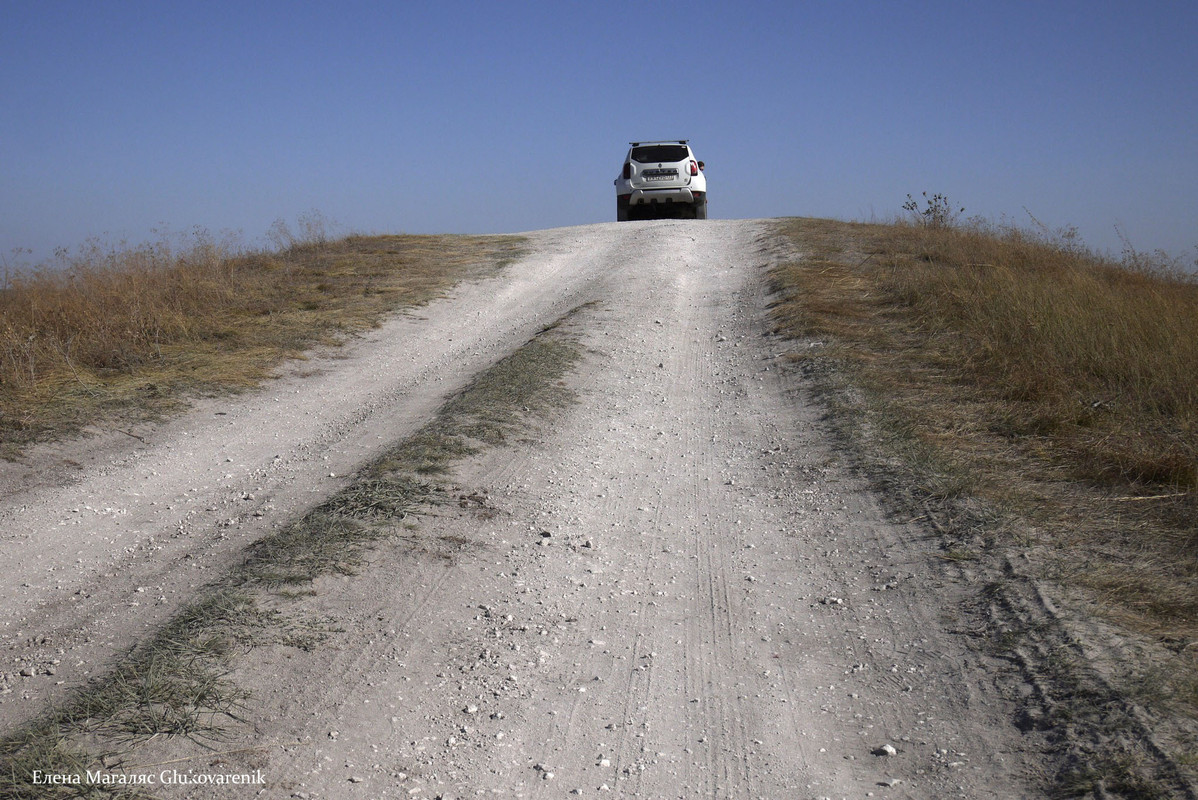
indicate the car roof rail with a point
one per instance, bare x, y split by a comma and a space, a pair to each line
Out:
661, 141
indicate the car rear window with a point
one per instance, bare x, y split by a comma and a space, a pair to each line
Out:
658, 153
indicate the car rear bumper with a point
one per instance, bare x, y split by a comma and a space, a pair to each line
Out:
664, 195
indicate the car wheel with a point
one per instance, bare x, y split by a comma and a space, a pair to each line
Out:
701, 209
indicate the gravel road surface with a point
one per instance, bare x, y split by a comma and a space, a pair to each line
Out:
674, 589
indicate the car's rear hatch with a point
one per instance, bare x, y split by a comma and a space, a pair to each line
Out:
659, 166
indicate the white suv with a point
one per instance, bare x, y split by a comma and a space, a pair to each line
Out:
660, 179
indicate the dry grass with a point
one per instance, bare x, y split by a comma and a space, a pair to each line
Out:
1024, 393
490, 409
124, 328
1053, 383
1101, 358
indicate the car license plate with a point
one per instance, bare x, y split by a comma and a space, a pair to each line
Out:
658, 177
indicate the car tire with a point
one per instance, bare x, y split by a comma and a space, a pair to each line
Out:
701, 209
623, 210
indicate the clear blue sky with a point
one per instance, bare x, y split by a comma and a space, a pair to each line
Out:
118, 117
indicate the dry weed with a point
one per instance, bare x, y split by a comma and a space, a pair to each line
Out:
1011, 389
1062, 382
140, 328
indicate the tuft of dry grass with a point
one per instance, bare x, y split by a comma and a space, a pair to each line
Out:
119, 328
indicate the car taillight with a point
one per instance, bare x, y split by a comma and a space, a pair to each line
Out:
694, 168
627, 170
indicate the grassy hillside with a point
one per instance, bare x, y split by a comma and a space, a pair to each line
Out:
1044, 373
120, 331
1024, 397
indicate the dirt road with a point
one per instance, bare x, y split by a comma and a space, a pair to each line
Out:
675, 589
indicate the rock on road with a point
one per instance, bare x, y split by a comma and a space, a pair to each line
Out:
677, 589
